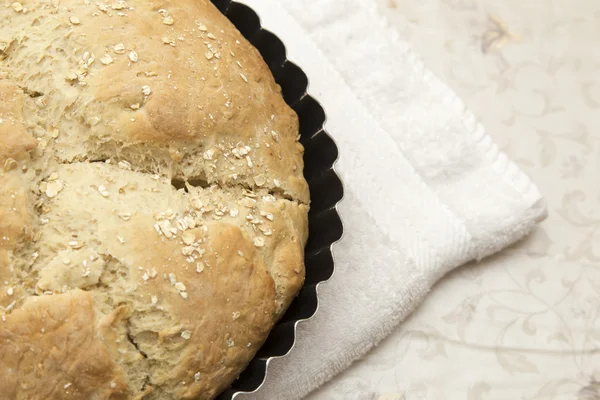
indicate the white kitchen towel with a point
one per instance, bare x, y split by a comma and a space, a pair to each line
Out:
426, 190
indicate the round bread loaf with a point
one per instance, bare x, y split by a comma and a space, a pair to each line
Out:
153, 209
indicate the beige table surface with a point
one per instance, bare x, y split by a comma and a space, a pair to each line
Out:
524, 324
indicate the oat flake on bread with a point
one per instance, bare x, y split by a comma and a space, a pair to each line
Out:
139, 258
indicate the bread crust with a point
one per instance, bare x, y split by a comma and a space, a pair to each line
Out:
153, 210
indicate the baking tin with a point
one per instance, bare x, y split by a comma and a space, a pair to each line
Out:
325, 226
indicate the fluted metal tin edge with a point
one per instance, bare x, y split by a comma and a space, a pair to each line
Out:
325, 225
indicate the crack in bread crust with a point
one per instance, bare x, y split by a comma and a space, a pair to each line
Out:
150, 184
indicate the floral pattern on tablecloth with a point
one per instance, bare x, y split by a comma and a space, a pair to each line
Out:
524, 324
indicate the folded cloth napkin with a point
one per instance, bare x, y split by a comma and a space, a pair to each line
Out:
426, 190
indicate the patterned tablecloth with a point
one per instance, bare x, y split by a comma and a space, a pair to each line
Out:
526, 323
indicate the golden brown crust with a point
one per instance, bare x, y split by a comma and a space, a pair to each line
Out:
151, 200
49, 350
196, 86
238, 291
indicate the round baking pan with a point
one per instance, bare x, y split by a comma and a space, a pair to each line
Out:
325, 226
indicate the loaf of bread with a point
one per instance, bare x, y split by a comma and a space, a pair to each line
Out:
153, 209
